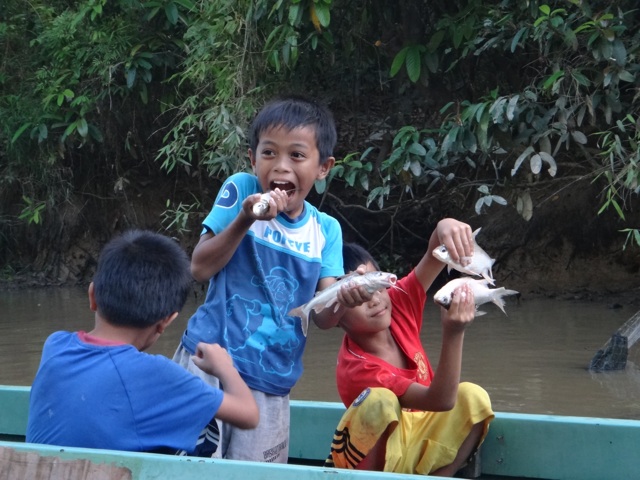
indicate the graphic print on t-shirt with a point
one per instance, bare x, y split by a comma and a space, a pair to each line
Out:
267, 329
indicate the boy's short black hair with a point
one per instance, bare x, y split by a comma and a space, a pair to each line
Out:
354, 255
295, 111
142, 277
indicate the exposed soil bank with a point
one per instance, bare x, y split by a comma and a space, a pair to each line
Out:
556, 253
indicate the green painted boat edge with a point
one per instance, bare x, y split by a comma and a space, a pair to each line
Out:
14, 405
561, 447
518, 445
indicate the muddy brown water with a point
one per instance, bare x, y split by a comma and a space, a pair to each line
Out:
533, 360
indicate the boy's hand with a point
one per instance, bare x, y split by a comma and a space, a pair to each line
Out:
212, 359
276, 201
353, 296
457, 237
462, 310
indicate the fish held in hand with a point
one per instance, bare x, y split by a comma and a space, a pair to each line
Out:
372, 281
481, 293
262, 206
479, 264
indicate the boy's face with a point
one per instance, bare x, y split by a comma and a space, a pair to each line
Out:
370, 317
289, 160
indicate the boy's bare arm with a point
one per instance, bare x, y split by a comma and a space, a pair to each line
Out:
213, 252
238, 406
442, 393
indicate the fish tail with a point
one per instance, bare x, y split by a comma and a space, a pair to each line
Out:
498, 293
489, 277
303, 315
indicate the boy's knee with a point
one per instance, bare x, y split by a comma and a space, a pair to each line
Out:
472, 394
375, 404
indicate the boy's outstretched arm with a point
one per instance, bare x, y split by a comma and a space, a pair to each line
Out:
238, 406
442, 393
213, 252
456, 236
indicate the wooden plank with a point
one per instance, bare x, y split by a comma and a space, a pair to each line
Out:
559, 448
148, 466
33, 466
613, 354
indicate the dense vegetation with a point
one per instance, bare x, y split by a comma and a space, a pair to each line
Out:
130, 112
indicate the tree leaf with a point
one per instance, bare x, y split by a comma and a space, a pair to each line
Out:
417, 149
525, 206
82, 127
579, 137
171, 11
413, 64
626, 76
516, 38
398, 61
20, 131
416, 168
511, 107
523, 156
536, 163
323, 13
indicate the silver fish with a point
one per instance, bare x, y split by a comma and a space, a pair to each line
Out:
479, 264
262, 206
372, 281
481, 293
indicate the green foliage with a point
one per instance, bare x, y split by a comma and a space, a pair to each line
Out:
177, 218
33, 211
98, 93
620, 154
569, 70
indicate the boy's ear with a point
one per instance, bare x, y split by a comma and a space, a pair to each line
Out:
92, 298
326, 167
252, 159
165, 322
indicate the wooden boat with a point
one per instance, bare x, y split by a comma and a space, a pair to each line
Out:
518, 445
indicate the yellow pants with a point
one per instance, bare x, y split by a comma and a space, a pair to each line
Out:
421, 442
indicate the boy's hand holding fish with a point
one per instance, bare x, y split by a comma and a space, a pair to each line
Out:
353, 295
457, 237
265, 206
461, 312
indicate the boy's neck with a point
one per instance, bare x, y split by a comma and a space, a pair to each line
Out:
384, 346
374, 343
141, 338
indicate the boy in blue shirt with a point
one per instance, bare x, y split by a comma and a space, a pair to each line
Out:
99, 390
261, 265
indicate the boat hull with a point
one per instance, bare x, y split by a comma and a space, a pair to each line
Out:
518, 445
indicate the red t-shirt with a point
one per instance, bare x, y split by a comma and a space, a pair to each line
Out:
358, 370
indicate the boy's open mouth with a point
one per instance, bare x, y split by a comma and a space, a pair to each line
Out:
287, 187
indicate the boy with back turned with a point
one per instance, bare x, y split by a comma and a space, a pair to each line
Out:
98, 389
260, 266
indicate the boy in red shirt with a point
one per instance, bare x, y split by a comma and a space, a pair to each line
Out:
403, 417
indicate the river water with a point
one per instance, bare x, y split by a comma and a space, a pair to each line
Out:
533, 360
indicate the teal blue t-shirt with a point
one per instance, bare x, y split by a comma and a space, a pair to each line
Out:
116, 398
275, 268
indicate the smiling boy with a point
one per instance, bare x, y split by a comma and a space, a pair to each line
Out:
403, 417
260, 266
